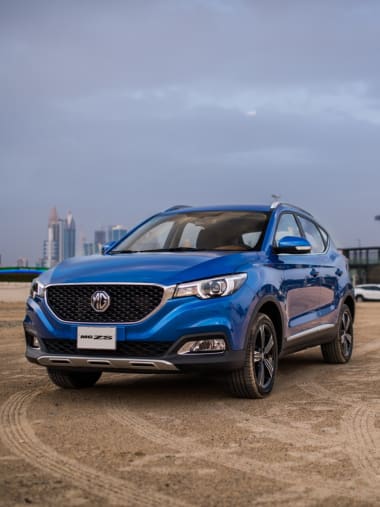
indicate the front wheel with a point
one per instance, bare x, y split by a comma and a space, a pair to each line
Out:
73, 380
340, 349
256, 378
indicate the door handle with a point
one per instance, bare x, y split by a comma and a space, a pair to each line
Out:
314, 272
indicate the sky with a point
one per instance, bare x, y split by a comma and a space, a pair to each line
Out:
118, 109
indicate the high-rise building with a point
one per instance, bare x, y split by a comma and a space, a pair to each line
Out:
101, 237
118, 232
69, 236
51, 244
99, 240
88, 248
61, 239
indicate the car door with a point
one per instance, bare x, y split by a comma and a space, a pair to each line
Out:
372, 292
327, 264
300, 285
366, 292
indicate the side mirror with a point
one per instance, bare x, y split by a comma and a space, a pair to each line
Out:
108, 246
293, 245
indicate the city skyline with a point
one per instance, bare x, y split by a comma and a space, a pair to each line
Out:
61, 242
60, 250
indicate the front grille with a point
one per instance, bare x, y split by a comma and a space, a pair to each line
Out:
129, 303
124, 349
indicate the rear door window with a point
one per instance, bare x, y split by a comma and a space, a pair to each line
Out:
312, 234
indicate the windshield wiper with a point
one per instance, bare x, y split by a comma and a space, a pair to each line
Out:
176, 249
117, 252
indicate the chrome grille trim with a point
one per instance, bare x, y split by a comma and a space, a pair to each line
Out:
168, 292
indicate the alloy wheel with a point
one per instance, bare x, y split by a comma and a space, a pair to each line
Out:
264, 356
345, 333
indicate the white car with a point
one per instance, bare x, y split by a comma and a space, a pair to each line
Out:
368, 292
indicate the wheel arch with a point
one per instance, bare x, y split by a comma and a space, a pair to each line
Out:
271, 308
349, 301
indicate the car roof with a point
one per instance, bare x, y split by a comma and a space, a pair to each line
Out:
265, 208
229, 207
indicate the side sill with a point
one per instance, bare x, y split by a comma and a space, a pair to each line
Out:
314, 330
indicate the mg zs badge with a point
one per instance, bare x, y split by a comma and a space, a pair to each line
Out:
100, 301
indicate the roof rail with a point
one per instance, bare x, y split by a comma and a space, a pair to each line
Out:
278, 203
177, 206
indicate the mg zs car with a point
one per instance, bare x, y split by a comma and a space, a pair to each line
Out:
228, 289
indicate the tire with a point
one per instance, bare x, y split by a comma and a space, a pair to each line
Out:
256, 378
359, 298
339, 351
73, 380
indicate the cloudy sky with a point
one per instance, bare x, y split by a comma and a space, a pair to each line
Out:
117, 109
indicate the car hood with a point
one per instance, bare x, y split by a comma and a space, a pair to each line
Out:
166, 268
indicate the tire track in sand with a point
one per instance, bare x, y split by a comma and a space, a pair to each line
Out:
225, 457
290, 494
19, 437
187, 447
358, 427
364, 447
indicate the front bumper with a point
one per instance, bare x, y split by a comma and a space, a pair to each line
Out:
179, 320
228, 360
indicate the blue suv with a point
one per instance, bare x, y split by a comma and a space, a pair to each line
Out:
227, 289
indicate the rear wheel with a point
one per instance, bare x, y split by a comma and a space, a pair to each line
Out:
73, 380
340, 349
256, 378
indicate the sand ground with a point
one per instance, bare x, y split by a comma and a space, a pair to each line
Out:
149, 440
12, 292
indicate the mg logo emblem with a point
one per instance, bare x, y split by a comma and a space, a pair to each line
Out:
100, 301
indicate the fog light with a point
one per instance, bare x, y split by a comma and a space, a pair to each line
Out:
35, 342
203, 346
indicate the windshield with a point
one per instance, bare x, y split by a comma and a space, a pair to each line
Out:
200, 230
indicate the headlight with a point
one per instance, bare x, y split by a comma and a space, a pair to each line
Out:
211, 287
37, 289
